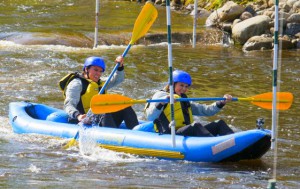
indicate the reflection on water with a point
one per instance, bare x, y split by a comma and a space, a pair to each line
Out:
31, 72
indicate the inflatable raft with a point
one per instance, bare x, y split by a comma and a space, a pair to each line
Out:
26, 117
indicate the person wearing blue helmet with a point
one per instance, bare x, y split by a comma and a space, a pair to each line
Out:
80, 88
184, 111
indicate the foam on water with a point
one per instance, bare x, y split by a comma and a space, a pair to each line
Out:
90, 150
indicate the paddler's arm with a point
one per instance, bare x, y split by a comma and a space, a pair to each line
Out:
119, 75
72, 99
155, 109
209, 110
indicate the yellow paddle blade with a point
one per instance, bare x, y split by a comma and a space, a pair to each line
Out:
71, 143
284, 100
144, 21
107, 103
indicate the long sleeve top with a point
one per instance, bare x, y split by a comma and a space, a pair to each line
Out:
152, 112
74, 88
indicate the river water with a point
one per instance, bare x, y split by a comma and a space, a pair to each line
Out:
42, 41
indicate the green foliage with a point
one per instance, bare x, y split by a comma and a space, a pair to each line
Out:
214, 4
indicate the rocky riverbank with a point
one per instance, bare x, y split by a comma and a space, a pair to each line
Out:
252, 25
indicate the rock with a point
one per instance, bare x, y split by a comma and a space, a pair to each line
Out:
190, 7
294, 18
176, 4
227, 27
284, 7
286, 42
246, 15
268, 13
160, 2
291, 2
296, 7
281, 23
250, 9
265, 42
257, 19
244, 30
271, 2
202, 13
281, 15
228, 12
235, 22
292, 28
258, 43
298, 44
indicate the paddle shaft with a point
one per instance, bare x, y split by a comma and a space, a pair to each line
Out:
114, 70
107, 103
141, 101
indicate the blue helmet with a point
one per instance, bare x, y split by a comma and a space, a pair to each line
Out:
94, 61
182, 76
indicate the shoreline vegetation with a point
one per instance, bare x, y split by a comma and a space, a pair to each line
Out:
249, 24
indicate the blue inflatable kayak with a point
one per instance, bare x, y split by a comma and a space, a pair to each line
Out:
26, 117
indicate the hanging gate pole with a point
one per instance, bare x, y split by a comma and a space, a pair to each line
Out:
172, 123
195, 22
272, 182
96, 24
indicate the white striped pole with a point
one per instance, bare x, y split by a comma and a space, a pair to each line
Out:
96, 24
195, 23
272, 182
274, 83
172, 124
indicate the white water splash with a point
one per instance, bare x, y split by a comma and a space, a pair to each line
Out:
89, 149
34, 169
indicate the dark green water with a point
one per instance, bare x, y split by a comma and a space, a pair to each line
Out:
42, 41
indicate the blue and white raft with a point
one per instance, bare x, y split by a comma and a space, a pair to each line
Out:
26, 117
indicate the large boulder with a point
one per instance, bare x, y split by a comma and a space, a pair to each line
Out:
227, 13
255, 26
294, 18
265, 42
258, 43
292, 28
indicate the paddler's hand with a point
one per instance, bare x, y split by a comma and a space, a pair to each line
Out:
120, 60
168, 98
227, 97
81, 117
160, 105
